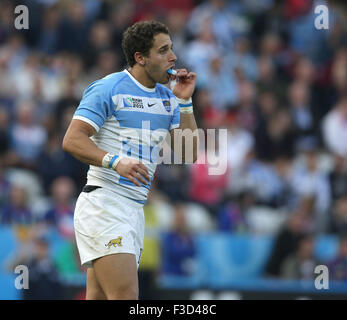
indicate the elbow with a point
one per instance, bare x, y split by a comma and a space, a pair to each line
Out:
66, 144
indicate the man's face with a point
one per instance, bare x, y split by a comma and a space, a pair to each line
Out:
160, 59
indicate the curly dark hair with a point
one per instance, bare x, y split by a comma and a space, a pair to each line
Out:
139, 38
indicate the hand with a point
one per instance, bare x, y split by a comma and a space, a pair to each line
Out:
133, 169
185, 85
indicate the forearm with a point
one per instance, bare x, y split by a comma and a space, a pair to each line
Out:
84, 149
188, 123
185, 139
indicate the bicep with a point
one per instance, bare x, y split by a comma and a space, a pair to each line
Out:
80, 127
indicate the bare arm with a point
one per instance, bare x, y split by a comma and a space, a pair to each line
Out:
185, 139
77, 142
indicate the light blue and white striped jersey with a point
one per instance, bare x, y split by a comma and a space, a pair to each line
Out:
131, 120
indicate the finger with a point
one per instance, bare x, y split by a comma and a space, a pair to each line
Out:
139, 177
142, 166
182, 73
134, 180
191, 75
143, 173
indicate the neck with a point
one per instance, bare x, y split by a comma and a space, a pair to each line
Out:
140, 74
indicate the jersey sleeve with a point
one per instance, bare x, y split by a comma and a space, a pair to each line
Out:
175, 122
95, 106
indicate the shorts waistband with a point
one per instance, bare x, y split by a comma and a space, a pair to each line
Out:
89, 188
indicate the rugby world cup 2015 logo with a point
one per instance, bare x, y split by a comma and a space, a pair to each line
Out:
167, 105
128, 102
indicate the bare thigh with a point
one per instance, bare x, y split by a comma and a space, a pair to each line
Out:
94, 290
117, 276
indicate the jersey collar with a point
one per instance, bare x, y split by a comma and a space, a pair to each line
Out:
138, 83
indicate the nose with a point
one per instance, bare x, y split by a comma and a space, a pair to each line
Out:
173, 57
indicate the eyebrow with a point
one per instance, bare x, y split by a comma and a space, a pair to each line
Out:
165, 46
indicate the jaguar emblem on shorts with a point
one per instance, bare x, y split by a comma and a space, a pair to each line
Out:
114, 242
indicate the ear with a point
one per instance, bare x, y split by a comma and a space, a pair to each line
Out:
140, 58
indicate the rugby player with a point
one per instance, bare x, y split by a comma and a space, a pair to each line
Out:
118, 130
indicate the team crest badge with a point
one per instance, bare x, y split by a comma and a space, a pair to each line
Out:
114, 242
167, 105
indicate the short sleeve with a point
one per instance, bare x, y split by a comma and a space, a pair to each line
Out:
95, 106
175, 122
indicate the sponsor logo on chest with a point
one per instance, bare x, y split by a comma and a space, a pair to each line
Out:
133, 103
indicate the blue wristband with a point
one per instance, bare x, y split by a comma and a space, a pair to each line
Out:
112, 160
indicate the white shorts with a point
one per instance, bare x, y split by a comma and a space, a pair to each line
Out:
107, 223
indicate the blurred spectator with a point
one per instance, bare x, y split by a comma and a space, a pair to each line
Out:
266, 105
335, 128
240, 144
54, 163
44, 283
176, 22
49, 36
339, 71
106, 62
4, 131
304, 37
4, 187
31, 81
270, 182
300, 264
338, 219
232, 215
17, 211
310, 180
268, 79
242, 60
178, 247
171, 181
60, 215
338, 177
200, 52
220, 13
246, 105
286, 243
100, 37
206, 116
74, 28
206, 188
277, 139
301, 110
221, 84
27, 137
338, 265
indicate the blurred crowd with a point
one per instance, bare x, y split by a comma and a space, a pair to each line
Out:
265, 73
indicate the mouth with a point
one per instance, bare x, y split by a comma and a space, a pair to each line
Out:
171, 73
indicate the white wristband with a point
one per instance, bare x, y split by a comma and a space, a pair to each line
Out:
110, 161
115, 162
186, 106
183, 101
